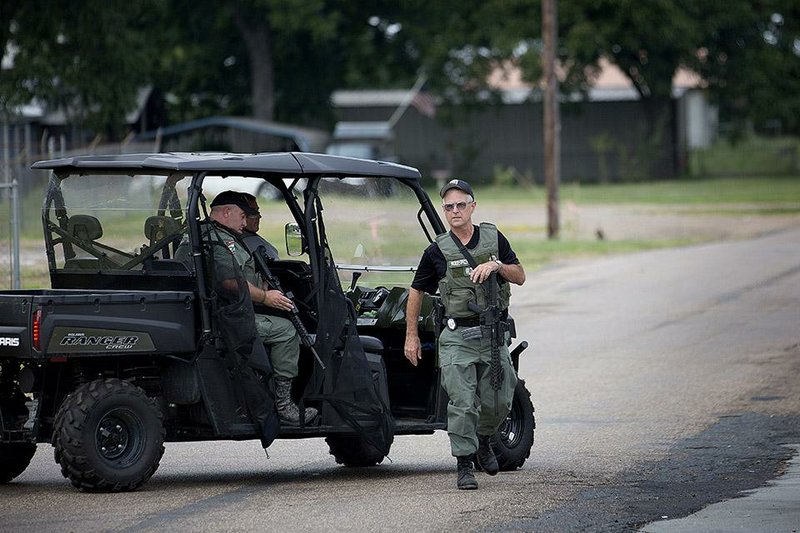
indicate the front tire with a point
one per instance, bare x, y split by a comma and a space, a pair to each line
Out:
353, 450
514, 438
108, 436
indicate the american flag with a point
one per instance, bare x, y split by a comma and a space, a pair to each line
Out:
424, 103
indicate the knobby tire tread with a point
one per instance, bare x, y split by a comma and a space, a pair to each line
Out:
68, 435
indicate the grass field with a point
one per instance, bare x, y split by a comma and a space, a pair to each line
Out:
750, 156
730, 198
784, 190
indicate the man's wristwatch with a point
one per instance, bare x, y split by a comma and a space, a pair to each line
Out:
499, 264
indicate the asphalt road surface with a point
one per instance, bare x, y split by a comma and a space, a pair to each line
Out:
663, 381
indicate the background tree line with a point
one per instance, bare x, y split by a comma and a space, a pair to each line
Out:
281, 59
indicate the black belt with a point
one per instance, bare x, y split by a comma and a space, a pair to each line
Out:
469, 322
463, 322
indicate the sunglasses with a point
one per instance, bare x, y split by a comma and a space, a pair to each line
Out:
460, 205
253, 217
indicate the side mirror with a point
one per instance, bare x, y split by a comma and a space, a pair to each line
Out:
295, 241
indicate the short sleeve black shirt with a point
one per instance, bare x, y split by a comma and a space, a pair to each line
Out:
433, 267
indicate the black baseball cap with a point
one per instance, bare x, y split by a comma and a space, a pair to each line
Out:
234, 198
457, 184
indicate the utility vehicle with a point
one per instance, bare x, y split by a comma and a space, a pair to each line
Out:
124, 351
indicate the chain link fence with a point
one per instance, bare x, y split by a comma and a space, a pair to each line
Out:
22, 255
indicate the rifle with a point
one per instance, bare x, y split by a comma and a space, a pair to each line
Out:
259, 254
491, 318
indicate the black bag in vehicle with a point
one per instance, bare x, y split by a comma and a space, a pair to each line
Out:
349, 389
232, 311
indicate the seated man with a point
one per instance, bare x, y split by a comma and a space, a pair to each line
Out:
250, 231
229, 212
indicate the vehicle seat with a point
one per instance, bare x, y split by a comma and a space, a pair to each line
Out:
158, 228
83, 263
371, 344
84, 227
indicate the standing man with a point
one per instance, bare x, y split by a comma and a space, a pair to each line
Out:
475, 410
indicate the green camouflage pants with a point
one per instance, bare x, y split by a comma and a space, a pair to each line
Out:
284, 344
466, 371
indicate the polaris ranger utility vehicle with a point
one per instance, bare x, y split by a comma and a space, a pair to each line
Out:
132, 347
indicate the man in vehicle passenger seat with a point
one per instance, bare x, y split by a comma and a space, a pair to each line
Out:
252, 224
231, 212
284, 361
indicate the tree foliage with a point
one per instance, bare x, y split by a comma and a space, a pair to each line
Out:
747, 53
750, 57
281, 59
275, 59
459, 43
648, 41
87, 59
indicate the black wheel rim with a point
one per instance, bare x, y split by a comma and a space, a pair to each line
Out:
120, 437
512, 429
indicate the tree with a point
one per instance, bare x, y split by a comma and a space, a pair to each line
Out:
89, 59
274, 59
746, 52
459, 43
750, 58
282, 59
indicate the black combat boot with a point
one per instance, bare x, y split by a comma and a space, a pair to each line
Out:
288, 412
466, 481
485, 457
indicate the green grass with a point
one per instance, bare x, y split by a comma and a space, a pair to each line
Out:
767, 190
768, 196
752, 156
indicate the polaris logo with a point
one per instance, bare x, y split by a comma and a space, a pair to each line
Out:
9, 341
111, 342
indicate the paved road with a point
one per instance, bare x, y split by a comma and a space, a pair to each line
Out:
663, 381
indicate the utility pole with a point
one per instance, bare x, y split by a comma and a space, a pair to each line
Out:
552, 120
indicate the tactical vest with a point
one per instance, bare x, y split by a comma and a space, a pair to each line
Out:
456, 288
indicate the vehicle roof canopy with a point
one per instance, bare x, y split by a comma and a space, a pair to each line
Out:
284, 163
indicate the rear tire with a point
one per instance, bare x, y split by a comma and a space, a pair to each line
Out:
514, 438
14, 459
14, 456
108, 436
352, 450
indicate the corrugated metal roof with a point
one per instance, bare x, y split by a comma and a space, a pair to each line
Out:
517, 95
306, 139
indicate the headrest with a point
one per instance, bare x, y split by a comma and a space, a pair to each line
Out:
157, 227
84, 227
